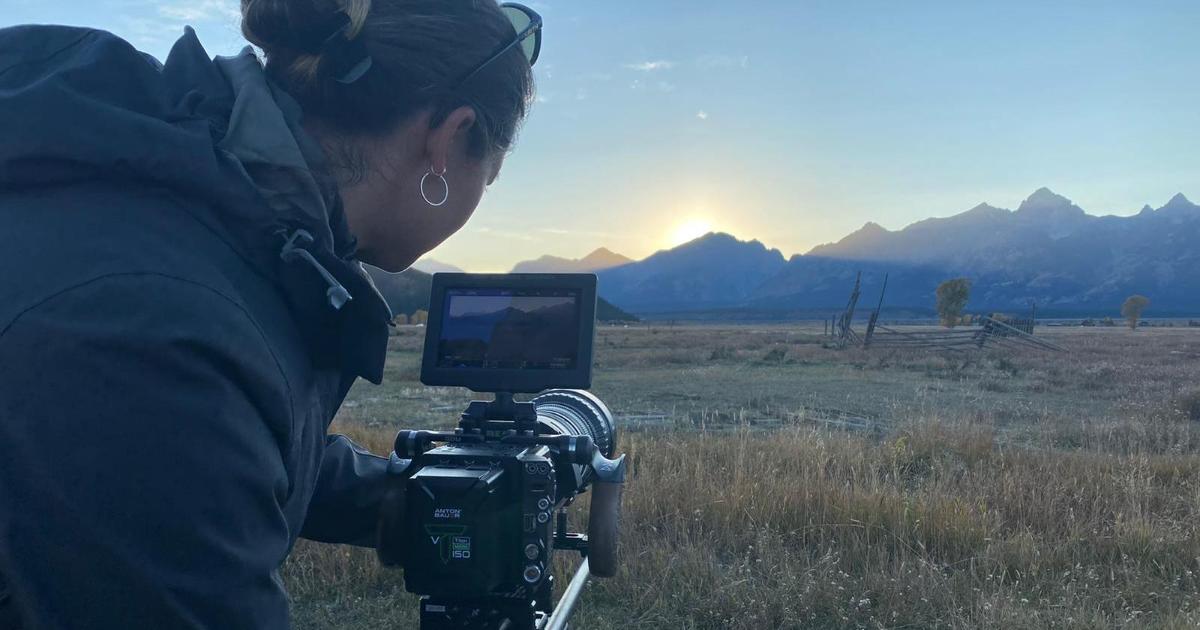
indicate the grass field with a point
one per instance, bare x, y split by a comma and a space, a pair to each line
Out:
779, 484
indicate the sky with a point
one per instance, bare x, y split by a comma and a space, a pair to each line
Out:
796, 122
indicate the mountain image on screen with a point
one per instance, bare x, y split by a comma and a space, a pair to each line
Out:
503, 332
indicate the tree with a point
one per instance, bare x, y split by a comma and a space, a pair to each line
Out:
1132, 309
420, 318
952, 296
401, 319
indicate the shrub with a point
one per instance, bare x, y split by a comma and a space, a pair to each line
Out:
952, 296
1132, 309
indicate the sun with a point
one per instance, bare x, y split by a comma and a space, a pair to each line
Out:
689, 230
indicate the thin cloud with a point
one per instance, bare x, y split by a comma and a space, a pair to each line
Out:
651, 66
508, 234
565, 232
200, 11
162, 23
702, 115
149, 32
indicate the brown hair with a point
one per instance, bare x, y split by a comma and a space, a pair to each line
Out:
418, 48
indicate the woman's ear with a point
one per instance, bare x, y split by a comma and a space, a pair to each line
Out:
454, 129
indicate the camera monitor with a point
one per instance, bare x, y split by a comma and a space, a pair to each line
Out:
515, 333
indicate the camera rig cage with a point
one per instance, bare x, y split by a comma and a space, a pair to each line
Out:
474, 515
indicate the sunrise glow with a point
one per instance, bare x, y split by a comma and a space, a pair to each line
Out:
689, 230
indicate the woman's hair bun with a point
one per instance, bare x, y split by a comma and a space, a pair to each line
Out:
410, 56
278, 25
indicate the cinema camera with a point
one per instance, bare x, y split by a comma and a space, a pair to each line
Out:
474, 516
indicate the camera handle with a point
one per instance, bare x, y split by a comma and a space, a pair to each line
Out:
389, 542
604, 516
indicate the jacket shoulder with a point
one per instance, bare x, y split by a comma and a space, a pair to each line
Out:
148, 318
60, 238
39, 47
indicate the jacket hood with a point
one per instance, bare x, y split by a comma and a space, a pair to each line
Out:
79, 105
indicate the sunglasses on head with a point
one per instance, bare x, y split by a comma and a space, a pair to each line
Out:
528, 27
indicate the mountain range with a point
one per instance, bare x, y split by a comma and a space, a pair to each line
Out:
1047, 252
598, 260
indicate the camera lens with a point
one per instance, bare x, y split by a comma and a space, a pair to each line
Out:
576, 412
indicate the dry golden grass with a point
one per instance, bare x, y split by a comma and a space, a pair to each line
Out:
978, 491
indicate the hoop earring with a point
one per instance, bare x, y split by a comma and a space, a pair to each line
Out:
445, 185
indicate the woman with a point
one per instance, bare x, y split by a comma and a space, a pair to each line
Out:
183, 305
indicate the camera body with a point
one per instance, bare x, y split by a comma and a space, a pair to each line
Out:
471, 509
474, 515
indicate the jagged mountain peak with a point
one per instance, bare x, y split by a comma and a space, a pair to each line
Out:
715, 237
720, 238
1178, 201
720, 244
1044, 199
604, 257
1179, 207
602, 251
867, 236
713, 270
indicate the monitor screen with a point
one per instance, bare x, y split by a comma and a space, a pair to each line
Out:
509, 329
515, 333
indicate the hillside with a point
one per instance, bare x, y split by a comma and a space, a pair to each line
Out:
598, 260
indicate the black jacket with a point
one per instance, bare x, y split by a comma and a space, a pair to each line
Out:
172, 349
